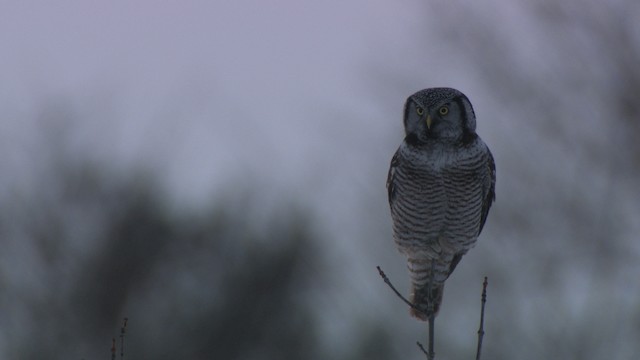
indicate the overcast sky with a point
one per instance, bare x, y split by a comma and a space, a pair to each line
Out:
213, 91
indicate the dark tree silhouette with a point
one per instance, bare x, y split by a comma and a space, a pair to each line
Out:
194, 284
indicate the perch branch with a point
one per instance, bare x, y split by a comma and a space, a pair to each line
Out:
431, 354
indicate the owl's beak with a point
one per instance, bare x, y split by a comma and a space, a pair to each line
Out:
429, 122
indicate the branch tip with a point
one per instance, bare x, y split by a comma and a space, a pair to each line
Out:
388, 282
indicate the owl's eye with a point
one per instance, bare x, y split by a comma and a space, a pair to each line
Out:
443, 110
419, 111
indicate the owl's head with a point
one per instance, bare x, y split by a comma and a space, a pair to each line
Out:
439, 114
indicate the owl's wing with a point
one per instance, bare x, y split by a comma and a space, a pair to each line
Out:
391, 190
490, 192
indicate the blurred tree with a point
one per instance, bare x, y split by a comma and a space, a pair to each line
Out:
98, 245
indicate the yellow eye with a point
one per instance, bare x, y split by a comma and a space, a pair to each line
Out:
443, 110
419, 111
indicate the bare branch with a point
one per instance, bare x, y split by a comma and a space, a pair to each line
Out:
122, 332
481, 329
431, 353
432, 316
422, 348
388, 282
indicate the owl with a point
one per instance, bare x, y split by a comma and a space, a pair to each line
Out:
441, 184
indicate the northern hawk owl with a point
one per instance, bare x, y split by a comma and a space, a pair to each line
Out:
441, 184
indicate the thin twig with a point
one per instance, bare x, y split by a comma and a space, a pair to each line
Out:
388, 282
422, 348
430, 354
113, 349
481, 329
122, 331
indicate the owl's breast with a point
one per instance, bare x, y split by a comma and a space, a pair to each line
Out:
437, 200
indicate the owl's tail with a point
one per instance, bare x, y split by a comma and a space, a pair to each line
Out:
427, 286
426, 299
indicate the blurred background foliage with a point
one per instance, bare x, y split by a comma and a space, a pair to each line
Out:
104, 215
195, 285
